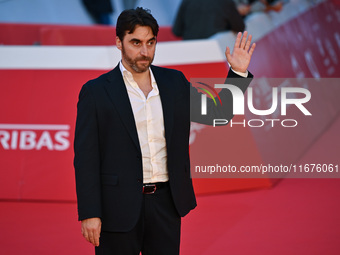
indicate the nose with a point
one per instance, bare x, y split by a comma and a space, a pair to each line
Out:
144, 50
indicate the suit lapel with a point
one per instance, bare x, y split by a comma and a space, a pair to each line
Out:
117, 92
167, 99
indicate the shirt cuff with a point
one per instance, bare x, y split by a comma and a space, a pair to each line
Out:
245, 75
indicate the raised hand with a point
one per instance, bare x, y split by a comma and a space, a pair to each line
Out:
240, 58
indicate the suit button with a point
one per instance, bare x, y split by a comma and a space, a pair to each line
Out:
139, 180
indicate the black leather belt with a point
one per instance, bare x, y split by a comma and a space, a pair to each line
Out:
150, 188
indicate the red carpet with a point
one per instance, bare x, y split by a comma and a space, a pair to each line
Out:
298, 216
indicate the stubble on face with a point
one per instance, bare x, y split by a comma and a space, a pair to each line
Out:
133, 63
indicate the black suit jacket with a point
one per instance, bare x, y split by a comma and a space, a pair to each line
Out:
108, 159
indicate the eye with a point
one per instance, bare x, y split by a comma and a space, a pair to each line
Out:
151, 43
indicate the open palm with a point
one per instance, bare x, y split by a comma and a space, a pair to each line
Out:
240, 58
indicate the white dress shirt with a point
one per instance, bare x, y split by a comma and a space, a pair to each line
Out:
148, 114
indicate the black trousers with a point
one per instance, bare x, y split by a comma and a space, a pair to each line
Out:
157, 231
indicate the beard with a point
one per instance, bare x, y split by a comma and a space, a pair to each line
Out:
133, 63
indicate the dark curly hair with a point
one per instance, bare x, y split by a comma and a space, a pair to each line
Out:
129, 19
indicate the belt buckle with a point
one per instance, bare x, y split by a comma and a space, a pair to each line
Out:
149, 188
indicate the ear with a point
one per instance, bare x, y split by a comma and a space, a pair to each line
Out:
118, 43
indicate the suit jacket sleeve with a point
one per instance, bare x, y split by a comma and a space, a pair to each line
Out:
224, 111
87, 158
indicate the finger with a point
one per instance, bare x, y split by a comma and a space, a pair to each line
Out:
85, 234
87, 238
96, 238
248, 43
252, 49
97, 235
238, 40
227, 53
83, 231
244, 39
91, 238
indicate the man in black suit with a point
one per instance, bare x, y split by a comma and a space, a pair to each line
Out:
132, 145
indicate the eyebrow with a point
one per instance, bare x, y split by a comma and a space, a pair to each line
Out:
152, 39
137, 40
